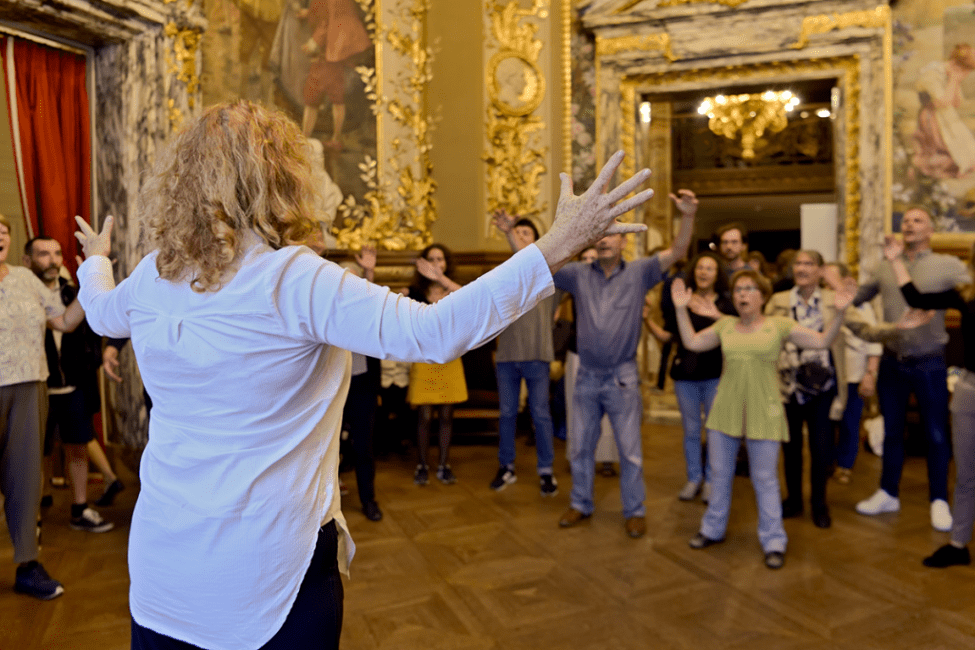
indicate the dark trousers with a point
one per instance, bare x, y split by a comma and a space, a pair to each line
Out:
315, 619
359, 419
926, 377
815, 413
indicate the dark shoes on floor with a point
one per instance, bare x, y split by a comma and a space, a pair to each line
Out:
821, 517
775, 559
571, 518
33, 580
371, 510
948, 555
699, 541
636, 527
108, 497
791, 509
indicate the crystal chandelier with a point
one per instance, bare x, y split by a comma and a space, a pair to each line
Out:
748, 116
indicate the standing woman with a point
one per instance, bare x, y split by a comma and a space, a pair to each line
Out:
695, 374
435, 385
237, 539
27, 308
810, 381
747, 404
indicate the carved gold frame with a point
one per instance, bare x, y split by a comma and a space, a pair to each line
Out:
536, 87
845, 69
399, 208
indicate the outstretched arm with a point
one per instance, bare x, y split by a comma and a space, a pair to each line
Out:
686, 203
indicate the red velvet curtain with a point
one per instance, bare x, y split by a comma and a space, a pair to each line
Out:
55, 153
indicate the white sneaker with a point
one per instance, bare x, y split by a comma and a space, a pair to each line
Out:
705, 492
940, 515
879, 503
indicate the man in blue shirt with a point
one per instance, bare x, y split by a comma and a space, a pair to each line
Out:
609, 295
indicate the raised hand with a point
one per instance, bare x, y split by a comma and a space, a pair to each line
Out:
845, 293
685, 202
428, 269
366, 258
503, 221
582, 220
893, 247
680, 293
915, 318
93, 243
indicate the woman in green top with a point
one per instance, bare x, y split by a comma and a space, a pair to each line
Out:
748, 404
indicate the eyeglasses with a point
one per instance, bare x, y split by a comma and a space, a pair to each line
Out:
748, 288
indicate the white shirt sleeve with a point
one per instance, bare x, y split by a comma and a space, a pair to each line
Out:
321, 302
103, 302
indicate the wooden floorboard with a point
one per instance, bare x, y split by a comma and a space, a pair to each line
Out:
462, 567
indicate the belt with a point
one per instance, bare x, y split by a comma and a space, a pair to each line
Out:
913, 358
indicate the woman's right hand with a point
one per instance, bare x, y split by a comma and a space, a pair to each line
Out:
680, 293
583, 220
95, 243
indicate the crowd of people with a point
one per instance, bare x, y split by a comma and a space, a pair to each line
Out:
226, 306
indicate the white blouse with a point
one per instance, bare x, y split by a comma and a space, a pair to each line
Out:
248, 385
25, 307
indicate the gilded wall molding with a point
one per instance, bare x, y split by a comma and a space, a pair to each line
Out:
515, 82
567, 13
674, 3
876, 18
726, 3
635, 43
846, 69
181, 66
399, 207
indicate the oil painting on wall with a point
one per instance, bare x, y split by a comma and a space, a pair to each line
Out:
934, 112
308, 58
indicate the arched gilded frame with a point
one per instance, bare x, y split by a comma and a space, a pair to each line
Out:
846, 71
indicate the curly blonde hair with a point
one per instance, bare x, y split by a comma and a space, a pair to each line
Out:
239, 166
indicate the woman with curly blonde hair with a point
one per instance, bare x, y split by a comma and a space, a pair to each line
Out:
238, 538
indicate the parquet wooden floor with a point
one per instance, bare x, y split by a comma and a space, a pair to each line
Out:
464, 568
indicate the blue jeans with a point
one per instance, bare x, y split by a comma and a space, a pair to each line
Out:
693, 397
848, 442
615, 392
927, 378
535, 373
763, 467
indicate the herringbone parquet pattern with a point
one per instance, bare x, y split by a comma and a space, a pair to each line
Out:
464, 568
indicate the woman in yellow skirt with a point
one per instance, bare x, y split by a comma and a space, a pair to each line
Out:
435, 384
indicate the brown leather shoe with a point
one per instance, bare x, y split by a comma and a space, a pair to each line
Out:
636, 527
571, 518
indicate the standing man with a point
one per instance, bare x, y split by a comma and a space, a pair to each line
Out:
733, 246
914, 362
525, 351
72, 385
609, 296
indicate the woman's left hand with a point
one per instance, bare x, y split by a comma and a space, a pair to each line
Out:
93, 243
